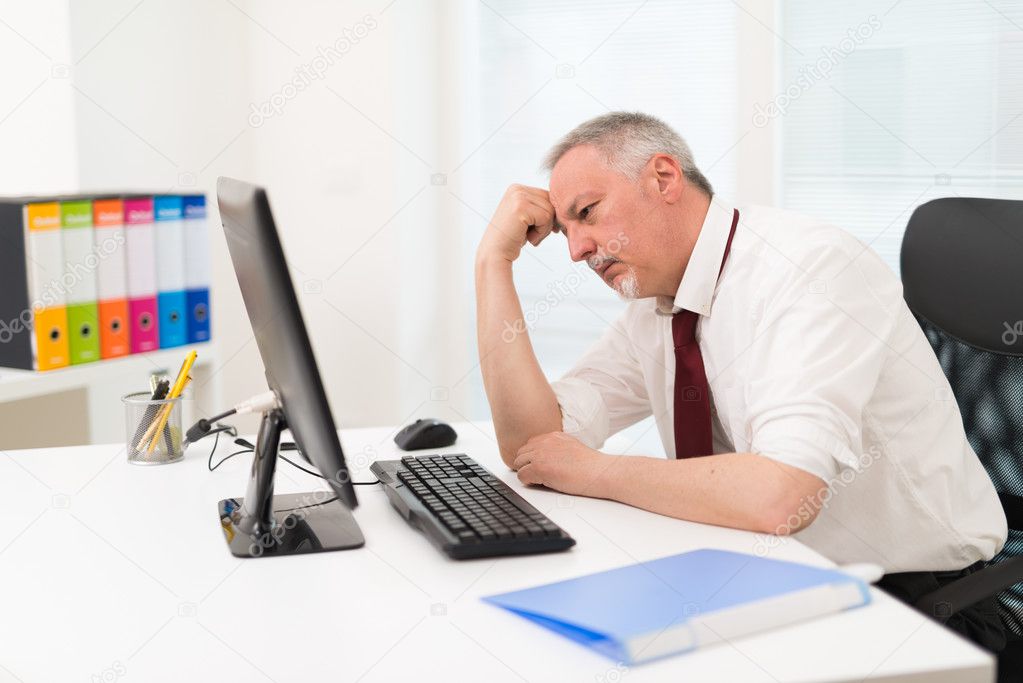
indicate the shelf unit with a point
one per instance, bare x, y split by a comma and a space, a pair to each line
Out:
105, 382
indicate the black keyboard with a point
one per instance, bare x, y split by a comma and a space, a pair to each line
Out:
464, 509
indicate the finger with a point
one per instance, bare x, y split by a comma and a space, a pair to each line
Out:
533, 195
538, 233
529, 210
530, 445
538, 193
541, 224
528, 475
526, 449
544, 205
522, 458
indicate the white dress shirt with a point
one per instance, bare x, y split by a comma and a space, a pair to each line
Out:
813, 360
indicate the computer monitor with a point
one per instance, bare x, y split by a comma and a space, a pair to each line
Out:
262, 524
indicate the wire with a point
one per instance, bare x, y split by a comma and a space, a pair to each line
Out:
249, 448
216, 440
230, 429
224, 459
221, 416
296, 465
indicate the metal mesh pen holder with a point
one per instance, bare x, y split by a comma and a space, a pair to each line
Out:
148, 421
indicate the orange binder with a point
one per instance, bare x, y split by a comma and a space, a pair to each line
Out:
111, 277
47, 294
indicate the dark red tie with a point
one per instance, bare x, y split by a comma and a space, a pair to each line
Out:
692, 393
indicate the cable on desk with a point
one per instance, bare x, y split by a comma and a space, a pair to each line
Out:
248, 447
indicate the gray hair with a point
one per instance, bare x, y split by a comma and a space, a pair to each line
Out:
627, 140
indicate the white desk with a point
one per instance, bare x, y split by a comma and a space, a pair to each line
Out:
111, 570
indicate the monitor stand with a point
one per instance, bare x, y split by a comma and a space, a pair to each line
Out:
264, 525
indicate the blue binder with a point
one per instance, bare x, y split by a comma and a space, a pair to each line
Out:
197, 268
675, 604
170, 265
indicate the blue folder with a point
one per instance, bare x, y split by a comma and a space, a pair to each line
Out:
675, 604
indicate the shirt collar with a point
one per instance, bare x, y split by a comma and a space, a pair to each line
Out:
696, 291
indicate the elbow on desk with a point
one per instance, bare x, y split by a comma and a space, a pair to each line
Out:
789, 510
508, 445
507, 454
785, 523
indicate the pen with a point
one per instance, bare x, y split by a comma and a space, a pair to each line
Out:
179, 384
160, 388
160, 425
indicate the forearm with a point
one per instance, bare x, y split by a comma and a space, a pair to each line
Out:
738, 490
521, 399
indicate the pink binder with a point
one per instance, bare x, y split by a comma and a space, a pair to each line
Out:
141, 258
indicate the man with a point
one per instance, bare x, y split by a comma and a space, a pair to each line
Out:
792, 388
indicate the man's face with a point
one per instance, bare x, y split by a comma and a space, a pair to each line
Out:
608, 219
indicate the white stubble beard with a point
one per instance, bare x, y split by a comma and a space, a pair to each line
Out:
628, 287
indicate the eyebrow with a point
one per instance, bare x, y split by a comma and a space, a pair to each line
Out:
572, 212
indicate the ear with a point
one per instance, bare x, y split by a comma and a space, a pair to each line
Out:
668, 176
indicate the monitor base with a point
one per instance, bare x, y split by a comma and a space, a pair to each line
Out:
311, 522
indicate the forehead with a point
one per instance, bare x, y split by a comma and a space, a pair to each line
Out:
581, 169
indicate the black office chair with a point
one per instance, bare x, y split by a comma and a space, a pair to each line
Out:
962, 274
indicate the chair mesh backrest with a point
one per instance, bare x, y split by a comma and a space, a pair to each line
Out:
989, 390
962, 273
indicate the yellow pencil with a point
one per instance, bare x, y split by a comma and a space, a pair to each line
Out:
165, 415
182, 378
161, 420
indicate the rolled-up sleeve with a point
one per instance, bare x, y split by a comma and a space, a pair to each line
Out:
604, 393
819, 351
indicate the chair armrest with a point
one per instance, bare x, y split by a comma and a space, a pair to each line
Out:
949, 599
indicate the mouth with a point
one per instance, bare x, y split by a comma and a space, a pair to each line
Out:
602, 269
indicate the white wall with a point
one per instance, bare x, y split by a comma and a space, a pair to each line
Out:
37, 115
161, 93
349, 163
164, 95
159, 96
757, 34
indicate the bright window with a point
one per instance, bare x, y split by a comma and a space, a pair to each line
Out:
922, 99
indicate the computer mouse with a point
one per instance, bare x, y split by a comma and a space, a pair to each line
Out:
425, 433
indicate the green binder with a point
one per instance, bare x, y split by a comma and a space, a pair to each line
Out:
79, 278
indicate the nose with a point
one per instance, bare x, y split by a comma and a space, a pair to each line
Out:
581, 245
